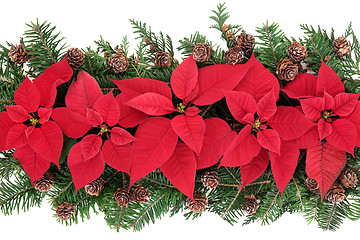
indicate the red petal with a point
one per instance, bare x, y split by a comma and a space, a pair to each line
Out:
184, 78
240, 104
17, 113
52, 77
289, 123
34, 165
120, 136
324, 163
5, 124
44, 114
312, 108
328, 81
94, 117
328, 101
47, 141
251, 171
192, 111
90, 146
283, 166
309, 139
129, 117
258, 81
214, 80
72, 124
354, 117
84, 171
303, 86
83, 93
117, 157
244, 148
267, 105
154, 145
343, 135
193, 94
152, 104
345, 103
138, 86
324, 129
180, 169
191, 130
16, 136
218, 136
27, 96
108, 108
270, 140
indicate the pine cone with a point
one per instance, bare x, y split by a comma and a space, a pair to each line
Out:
163, 59
94, 188
75, 58
118, 62
245, 41
224, 28
296, 52
286, 70
152, 47
336, 193
18, 54
146, 40
202, 52
122, 197
199, 205
65, 210
45, 183
341, 46
312, 185
348, 179
252, 204
140, 194
210, 179
234, 55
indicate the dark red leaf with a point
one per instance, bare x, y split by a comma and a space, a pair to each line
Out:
180, 169
328, 101
343, 135
251, 171
192, 111
324, 163
5, 124
16, 136
240, 104
152, 104
354, 117
218, 136
193, 94
312, 108
108, 108
324, 129
83, 93
154, 145
191, 130
303, 86
328, 81
84, 171
120, 136
309, 139
345, 103
44, 114
270, 140
90, 146
17, 113
184, 78
244, 148
117, 157
72, 124
129, 116
267, 105
27, 96
283, 166
93, 117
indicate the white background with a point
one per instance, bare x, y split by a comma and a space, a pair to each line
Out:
84, 21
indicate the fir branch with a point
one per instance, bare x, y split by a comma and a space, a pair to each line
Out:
232, 175
120, 215
61, 192
6, 80
331, 216
159, 183
228, 208
298, 193
270, 206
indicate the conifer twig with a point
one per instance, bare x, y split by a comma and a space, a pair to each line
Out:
15, 194
61, 192
159, 183
232, 175
6, 80
7, 101
298, 193
120, 214
271, 204
331, 216
232, 202
37, 30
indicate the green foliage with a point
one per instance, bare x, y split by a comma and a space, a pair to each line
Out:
9, 166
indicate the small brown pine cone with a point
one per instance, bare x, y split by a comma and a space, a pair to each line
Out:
118, 62
327, 58
234, 55
136, 60
94, 188
65, 210
341, 46
199, 205
146, 40
152, 47
229, 35
312, 185
45, 183
210, 179
122, 197
286, 70
163, 59
224, 28
140, 194
348, 179
336, 193
18, 54
202, 52
252, 204
297, 52
75, 58
245, 41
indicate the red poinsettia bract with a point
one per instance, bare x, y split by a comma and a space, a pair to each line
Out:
88, 109
27, 127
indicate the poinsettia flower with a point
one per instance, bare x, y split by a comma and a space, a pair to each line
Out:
27, 127
88, 109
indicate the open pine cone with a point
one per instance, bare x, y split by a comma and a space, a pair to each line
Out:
341, 46
141, 194
65, 210
122, 197
163, 59
118, 62
296, 52
312, 185
336, 193
18, 54
234, 55
45, 183
348, 179
94, 188
286, 70
199, 205
210, 179
245, 41
252, 204
75, 58
202, 52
